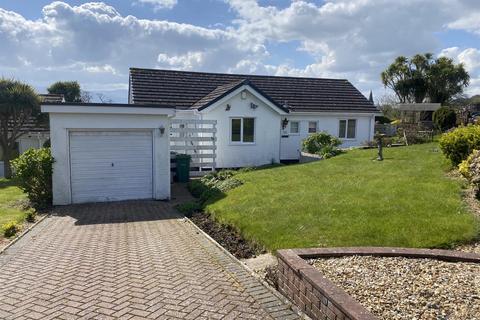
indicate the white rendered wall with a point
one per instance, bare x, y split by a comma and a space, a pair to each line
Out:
61, 124
267, 133
291, 145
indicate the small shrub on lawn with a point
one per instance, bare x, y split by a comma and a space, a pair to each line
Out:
322, 143
10, 229
445, 118
188, 208
459, 143
33, 169
31, 215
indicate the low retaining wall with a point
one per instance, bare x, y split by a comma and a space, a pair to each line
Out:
320, 298
309, 157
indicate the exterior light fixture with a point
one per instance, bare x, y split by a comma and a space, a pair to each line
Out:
162, 130
228, 107
284, 123
253, 105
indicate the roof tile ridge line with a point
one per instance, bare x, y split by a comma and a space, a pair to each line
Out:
239, 74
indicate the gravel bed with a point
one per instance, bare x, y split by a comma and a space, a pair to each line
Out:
474, 247
401, 288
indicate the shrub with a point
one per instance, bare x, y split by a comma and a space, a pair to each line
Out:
321, 143
33, 169
188, 208
213, 185
459, 143
196, 188
31, 215
382, 119
470, 169
10, 229
444, 118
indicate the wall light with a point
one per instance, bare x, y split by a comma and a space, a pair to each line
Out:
162, 130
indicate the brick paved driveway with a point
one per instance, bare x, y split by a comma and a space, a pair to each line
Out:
127, 260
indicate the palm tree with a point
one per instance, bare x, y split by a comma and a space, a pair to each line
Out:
18, 105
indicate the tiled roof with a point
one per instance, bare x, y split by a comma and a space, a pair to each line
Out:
185, 90
217, 93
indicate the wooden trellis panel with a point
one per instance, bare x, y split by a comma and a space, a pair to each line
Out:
196, 138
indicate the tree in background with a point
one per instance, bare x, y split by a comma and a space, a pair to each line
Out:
18, 105
445, 118
446, 80
423, 78
70, 90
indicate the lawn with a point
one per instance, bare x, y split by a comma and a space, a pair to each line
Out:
407, 200
10, 210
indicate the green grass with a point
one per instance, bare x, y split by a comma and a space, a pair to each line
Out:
407, 200
10, 195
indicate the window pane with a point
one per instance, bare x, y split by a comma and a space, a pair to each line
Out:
352, 123
294, 127
236, 124
312, 127
248, 129
342, 128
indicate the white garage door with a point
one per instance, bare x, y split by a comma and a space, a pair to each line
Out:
111, 166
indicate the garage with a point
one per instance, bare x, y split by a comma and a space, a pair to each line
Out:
111, 165
109, 152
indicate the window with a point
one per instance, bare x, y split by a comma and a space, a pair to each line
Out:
243, 130
312, 126
347, 129
294, 127
236, 130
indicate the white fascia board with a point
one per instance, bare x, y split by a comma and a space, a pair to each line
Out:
236, 92
169, 112
341, 114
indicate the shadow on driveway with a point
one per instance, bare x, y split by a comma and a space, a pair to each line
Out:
118, 212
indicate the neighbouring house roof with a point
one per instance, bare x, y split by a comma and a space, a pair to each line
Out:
51, 98
418, 106
41, 125
196, 90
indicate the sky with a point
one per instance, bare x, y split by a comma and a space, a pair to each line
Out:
95, 43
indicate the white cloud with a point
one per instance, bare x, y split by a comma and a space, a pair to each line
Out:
159, 4
189, 61
470, 58
354, 39
95, 40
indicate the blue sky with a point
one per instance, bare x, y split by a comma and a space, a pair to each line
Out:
96, 42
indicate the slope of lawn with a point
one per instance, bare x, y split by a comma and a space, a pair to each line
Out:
10, 195
407, 200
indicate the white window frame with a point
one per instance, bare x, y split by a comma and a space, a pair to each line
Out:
316, 127
290, 128
241, 142
346, 128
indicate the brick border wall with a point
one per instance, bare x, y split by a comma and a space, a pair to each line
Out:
320, 298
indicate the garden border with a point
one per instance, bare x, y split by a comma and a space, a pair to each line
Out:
320, 298
23, 233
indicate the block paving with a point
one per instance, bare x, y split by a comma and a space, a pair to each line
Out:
127, 260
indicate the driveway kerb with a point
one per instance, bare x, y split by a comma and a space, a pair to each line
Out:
23, 233
250, 271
